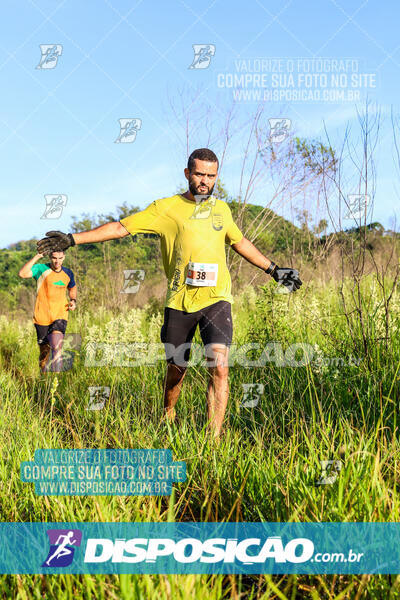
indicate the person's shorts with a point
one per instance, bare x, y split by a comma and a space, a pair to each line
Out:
177, 332
42, 331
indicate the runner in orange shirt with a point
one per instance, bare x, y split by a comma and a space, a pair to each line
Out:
51, 307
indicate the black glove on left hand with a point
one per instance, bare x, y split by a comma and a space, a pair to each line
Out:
56, 241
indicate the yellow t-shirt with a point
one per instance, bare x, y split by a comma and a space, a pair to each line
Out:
190, 231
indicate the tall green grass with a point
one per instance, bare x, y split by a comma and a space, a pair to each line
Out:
267, 463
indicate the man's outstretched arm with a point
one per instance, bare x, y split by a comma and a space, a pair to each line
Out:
285, 276
59, 241
108, 231
248, 250
149, 220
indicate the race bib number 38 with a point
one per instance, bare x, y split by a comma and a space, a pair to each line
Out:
204, 274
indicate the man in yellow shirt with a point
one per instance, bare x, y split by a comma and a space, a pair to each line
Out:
193, 228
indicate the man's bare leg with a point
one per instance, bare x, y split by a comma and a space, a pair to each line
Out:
172, 388
44, 355
218, 387
56, 339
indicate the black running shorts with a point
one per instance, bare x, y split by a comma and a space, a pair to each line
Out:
42, 331
215, 323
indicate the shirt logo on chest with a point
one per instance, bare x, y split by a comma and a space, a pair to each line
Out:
217, 222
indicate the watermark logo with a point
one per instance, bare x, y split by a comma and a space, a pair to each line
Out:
204, 206
62, 547
357, 205
279, 129
330, 470
202, 55
5, 455
128, 130
252, 394
71, 344
286, 80
132, 280
98, 397
55, 204
50, 54
286, 283
100, 354
194, 550
324, 362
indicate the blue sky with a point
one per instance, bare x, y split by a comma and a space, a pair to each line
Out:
131, 60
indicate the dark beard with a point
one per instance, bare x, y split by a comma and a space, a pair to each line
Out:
195, 193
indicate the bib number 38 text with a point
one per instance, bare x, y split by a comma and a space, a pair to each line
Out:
202, 274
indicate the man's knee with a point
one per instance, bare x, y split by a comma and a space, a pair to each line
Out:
217, 359
175, 372
44, 354
44, 350
57, 339
219, 371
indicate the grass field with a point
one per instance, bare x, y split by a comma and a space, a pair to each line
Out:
268, 461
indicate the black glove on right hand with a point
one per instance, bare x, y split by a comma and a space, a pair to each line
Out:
287, 277
56, 241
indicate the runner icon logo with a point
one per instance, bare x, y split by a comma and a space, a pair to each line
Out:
202, 55
55, 204
62, 547
50, 54
128, 130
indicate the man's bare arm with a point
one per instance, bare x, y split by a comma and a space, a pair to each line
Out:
72, 293
57, 241
286, 276
26, 271
108, 231
72, 298
248, 250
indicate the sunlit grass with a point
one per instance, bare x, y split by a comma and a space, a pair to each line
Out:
266, 466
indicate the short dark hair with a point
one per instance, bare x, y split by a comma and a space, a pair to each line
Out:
201, 154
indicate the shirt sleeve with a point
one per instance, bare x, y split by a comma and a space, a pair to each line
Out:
38, 269
233, 234
71, 280
149, 220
